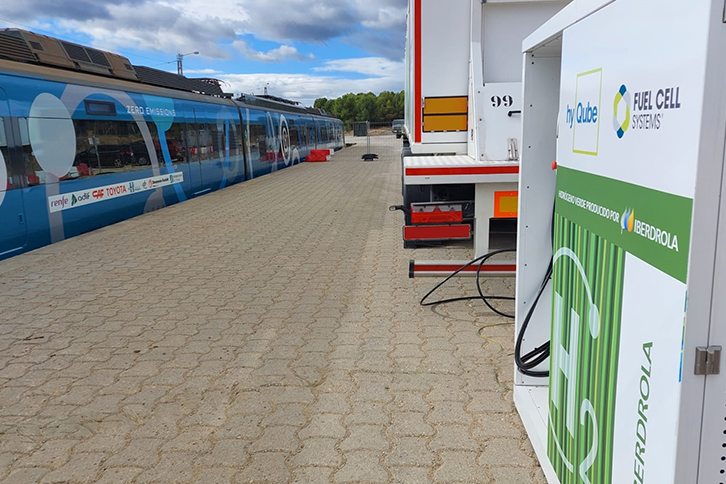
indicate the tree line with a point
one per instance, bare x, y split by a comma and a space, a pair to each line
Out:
350, 107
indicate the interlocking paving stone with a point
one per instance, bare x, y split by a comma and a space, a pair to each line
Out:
265, 333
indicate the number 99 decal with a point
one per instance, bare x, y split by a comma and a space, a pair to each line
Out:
502, 101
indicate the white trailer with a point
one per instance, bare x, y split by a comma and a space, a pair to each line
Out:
463, 115
628, 97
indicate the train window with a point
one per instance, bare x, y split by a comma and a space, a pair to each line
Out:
218, 140
140, 156
100, 108
86, 161
5, 155
294, 133
235, 140
311, 136
34, 174
192, 137
204, 142
105, 147
176, 141
258, 142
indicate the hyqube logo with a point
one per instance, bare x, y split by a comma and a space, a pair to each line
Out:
622, 97
584, 117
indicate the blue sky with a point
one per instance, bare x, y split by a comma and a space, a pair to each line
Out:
299, 49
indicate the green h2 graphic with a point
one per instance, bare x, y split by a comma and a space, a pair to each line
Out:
587, 282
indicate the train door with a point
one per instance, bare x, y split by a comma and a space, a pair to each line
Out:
313, 135
14, 234
200, 143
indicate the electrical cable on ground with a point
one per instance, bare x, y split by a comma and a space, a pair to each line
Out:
481, 260
525, 363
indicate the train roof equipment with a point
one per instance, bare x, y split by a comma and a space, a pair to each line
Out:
25, 46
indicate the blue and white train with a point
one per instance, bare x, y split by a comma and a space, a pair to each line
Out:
80, 151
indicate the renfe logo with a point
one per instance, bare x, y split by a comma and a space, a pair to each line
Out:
59, 203
66, 201
584, 117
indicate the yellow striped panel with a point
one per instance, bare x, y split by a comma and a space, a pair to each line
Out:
446, 105
451, 122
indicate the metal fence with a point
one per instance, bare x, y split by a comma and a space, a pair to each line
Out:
366, 128
375, 136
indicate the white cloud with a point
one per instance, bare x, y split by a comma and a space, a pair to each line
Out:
157, 27
209, 72
279, 54
210, 26
381, 75
372, 66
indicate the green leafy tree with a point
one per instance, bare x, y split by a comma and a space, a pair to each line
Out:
384, 107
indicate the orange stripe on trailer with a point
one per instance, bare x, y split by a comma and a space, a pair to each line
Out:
478, 170
447, 122
446, 105
436, 232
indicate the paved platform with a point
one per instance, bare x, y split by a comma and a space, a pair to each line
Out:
264, 333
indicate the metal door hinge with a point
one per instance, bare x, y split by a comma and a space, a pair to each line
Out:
512, 150
708, 360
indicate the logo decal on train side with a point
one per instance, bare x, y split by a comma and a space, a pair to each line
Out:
58, 203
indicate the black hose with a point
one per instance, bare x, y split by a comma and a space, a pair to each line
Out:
526, 363
481, 260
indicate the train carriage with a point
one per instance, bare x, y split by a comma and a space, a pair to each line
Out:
79, 150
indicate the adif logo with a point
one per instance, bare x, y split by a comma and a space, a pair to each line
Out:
82, 197
622, 97
628, 220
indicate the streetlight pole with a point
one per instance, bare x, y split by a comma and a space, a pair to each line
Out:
179, 59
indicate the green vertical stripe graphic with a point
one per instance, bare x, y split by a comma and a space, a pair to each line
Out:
586, 314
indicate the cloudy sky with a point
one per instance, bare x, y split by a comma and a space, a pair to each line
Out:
304, 49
